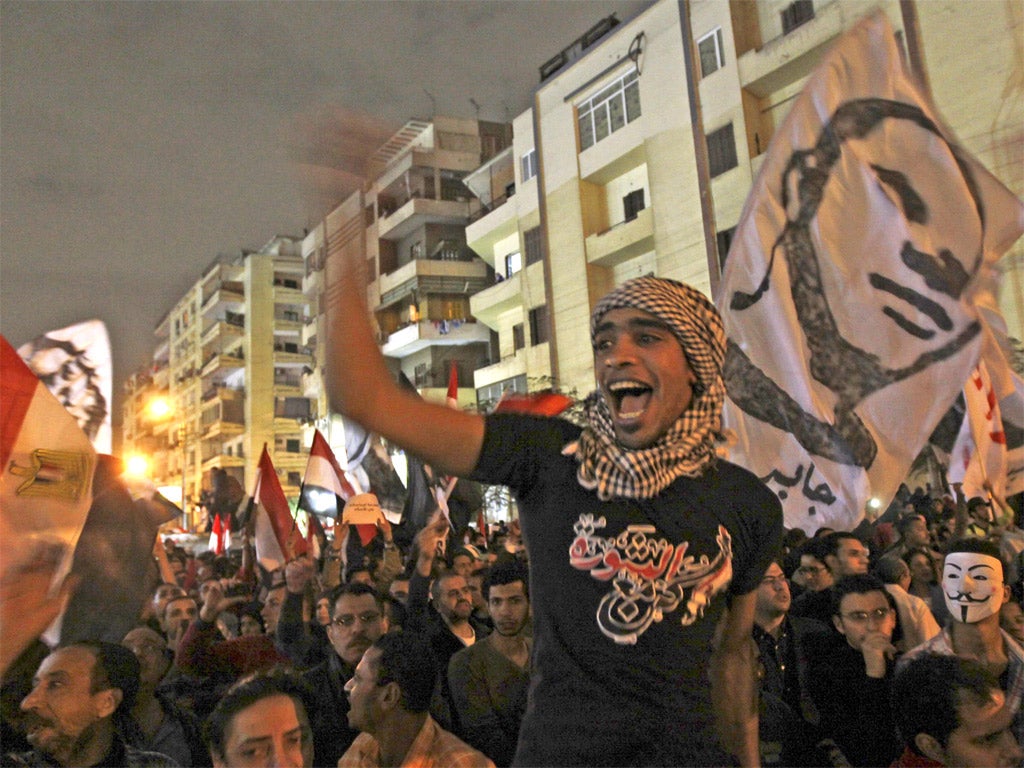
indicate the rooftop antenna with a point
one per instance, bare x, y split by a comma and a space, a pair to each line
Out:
433, 103
476, 107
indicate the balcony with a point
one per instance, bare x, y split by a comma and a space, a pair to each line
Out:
221, 428
417, 211
226, 295
288, 386
288, 321
232, 327
623, 241
500, 223
223, 393
790, 57
531, 361
433, 276
288, 291
222, 461
417, 336
292, 354
490, 303
225, 362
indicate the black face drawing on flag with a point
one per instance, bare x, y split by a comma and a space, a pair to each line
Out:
68, 373
876, 303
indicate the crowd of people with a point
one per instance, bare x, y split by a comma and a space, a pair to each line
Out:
651, 610
864, 657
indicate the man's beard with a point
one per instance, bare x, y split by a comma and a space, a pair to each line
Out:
58, 745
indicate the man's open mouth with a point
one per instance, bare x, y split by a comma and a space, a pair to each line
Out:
629, 398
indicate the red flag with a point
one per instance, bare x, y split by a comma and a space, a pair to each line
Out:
220, 536
538, 403
278, 538
481, 523
453, 387
325, 487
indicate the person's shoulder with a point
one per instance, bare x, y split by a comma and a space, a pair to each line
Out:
737, 479
449, 750
138, 758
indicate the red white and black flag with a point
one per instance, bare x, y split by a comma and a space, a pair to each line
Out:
852, 291
278, 536
47, 461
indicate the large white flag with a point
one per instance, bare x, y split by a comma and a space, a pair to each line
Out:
75, 365
851, 292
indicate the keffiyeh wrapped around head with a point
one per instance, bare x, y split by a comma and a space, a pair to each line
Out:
688, 448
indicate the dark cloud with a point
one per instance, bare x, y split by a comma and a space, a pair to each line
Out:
139, 140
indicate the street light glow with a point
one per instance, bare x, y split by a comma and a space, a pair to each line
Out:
159, 408
136, 465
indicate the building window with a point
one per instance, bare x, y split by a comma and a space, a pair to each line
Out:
539, 325
797, 13
533, 244
721, 150
609, 110
633, 203
711, 51
294, 478
518, 338
529, 165
513, 263
292, 446
724, 239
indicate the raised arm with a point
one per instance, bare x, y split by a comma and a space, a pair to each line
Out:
360, 386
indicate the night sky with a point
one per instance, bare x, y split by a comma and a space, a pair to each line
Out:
140, 140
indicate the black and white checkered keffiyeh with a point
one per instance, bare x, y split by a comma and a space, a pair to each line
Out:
688, 448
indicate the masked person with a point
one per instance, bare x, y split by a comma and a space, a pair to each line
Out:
638, 536
974, 589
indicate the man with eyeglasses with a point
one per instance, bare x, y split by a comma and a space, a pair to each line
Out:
850, 681
357, 621
815, 602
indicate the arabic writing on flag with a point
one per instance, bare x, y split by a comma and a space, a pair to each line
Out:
850, 293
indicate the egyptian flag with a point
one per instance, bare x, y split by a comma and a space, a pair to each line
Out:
325, 489
853, 292
220, 536
989, 446
278, 537
47, 462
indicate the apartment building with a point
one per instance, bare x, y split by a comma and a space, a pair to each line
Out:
644, 140
408, 225
232, 375
486, 245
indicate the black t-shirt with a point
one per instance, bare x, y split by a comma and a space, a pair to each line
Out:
625, 595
